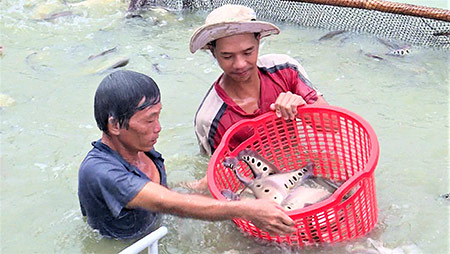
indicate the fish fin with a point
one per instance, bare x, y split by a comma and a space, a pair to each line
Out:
230, 195
247, 154
246, 151
328, 184
310, 166
242, 191
241, 178
309, 171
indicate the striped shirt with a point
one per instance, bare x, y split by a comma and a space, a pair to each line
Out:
218, 112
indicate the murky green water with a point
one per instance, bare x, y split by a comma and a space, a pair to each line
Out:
443, 4
47, 131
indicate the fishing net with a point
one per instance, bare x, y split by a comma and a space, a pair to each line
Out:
383, 23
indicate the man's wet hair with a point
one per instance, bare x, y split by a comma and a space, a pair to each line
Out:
118, 96
213, 43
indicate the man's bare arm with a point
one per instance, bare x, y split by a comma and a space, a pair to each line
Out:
266, 215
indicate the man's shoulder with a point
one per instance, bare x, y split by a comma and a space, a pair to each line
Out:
270, 60
97, 161
212, 103
273, 63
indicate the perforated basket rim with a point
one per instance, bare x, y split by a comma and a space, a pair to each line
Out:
337, 196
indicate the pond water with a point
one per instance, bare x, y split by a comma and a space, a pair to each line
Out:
443, 4
47, 124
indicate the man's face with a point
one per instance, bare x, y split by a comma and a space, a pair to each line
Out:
237, 55
143, 129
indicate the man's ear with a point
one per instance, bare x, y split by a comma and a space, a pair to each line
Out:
113, 126
211, 48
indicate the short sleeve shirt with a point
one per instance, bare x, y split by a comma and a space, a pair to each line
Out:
218, 112
106, 184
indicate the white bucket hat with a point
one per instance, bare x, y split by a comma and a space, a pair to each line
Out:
229, 20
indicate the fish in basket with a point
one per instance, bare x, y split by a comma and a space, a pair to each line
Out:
319, 167
292, 190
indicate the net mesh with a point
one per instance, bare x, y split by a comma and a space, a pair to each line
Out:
410, 29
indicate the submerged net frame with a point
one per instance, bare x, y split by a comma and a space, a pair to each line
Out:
415, 25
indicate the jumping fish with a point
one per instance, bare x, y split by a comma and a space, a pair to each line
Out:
155, 67
376, 57
400, 52
102, 53
445, 197
395, 49
56, 15
331, 35
111, 64
292, 190
45, 10
37, 61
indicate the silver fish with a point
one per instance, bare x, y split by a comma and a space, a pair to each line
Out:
396, 49
400, 52
292, 190
56, 15
331, 35
276, 187
312, 190
102, 53
155, 67
259, 166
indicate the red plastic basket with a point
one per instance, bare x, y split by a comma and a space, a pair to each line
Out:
342, 146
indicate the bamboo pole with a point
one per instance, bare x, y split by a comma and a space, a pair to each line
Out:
386, 6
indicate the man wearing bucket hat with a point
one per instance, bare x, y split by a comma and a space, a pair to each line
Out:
122, 186
249, 86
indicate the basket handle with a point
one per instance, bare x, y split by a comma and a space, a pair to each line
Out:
266, 116
253, 123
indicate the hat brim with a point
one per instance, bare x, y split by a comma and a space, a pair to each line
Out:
207, 33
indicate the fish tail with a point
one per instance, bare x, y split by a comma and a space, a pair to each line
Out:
230, 195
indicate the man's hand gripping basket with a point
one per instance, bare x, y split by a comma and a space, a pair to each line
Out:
342, 146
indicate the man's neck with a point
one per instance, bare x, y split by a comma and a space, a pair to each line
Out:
131, 156
241, 88
245, 94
